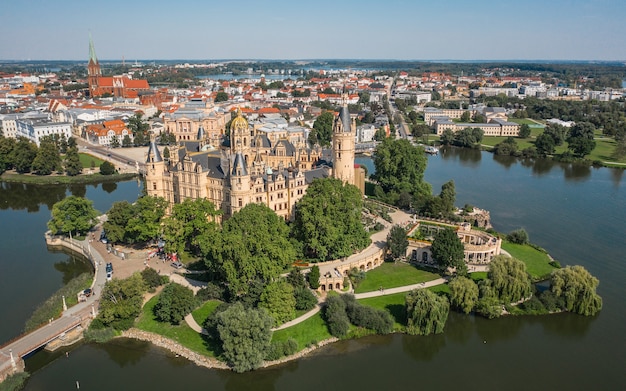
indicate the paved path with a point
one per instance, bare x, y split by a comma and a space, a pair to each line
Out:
400, 289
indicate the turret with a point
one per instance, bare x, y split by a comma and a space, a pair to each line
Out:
344, 133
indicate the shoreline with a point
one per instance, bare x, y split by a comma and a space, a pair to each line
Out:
210, 362
31, 179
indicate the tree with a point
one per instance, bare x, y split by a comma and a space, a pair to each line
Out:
397, 242
296, 279
581, 146
152, 278
278, 298
24, 152
322, 131
314, 277
576, 287
426, 312
371, 318
519, 236
192, 225
557, 132
174, 303
380, 134
48, 158
245, 335
121, 301
115, 142
544, 144
145, 224
524, 131
466, 116
253, 244
334, 312
448, 197
400, 167
468, 137
166, 153
463, 293
6, 153
447, 137
73, 166
447, 249
117, 221
221, 96
328, 220
126, 143
508, 147
107, 168
305, 299
509, 279
73, 214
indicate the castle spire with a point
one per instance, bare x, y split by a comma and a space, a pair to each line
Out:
92, 51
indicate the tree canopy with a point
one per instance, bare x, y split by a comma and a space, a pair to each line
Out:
121, 301
447, 249
253, 244
48, 158
174, 303
397, 242
577, 288
463, 293
245, 335
328, 220
278, 298
73, 214
509, 279
426, 312
400, 167
191, 226
322, 131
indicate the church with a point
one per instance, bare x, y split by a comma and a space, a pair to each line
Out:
250, 168
117, 86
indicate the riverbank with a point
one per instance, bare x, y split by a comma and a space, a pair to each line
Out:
64, 179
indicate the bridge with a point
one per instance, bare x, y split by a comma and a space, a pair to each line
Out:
75, 318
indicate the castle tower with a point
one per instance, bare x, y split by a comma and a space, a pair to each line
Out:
155, 166
344, 133
240, 137
93, 70
239, 184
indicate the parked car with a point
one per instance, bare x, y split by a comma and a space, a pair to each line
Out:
109, 275
177, 265
87, 292
109, 268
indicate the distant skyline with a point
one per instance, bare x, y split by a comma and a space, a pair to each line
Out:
322, 29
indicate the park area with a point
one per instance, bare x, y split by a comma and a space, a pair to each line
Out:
537, 261
392, 275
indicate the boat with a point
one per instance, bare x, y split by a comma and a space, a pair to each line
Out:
431, 150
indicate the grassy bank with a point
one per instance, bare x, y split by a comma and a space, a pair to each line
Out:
63, 179
201, 314
392, 275
309, 332
537, 262
89, 161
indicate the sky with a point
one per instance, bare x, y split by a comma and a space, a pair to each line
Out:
317, 29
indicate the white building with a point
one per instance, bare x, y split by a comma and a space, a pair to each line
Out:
34, 130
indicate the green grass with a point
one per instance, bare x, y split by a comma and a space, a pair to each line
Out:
477, 276
537, 262
182, 333
603, 151
526, 121
311, 331
392, 275
201, 314
86, 159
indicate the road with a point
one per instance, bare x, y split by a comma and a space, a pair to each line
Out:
126, 159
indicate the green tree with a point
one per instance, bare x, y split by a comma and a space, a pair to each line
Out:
544, 144
447, 249
73, 214
126, 143
296, 279
400, 167
334, 313
278, 298
508, 147
117, 221
245, 335
509, 279
145, 224
174, 303
107, 168
380, 134
152, 278
463, 293
397, 242
136, 124
322, 131
557, 132
48, 158
192, 225
166, 153
519, 236
121, 301
73, 166
577, 288
221, 96
468, 137
447, 137
426, 312
581, 146
314, 277
6, 153
524, 131
305, 299
448, 198
328, 220
23, 154
253, 244
115, 142
466, 116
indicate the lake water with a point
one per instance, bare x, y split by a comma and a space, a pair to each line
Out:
577, 213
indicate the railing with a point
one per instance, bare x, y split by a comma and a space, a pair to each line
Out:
47, 340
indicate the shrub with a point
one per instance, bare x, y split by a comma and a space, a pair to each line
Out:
305, 299
314, 277
374, 319
99, 335
211, 291
519, 236
550, 301
174, 303
107, 168
279, 349
533, 306
489, 307
152, 278
335, 316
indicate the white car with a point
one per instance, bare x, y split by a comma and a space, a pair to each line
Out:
109, 275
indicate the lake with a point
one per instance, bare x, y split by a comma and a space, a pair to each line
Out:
577, 213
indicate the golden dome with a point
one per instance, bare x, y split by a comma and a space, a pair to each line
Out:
239, 122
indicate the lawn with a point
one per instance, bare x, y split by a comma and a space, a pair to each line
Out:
392, 275
603, 151
182, 333
527, 121
86, 159
201, 314
311, 331
537, 262
394, 304
477, 276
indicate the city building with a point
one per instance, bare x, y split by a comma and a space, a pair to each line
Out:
104, 133
34, 130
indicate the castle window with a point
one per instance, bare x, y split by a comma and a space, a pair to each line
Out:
153, 185
240, 203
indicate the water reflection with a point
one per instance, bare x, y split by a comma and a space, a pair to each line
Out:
505, 161
500, 329
467, 157
577, 172
125, 351
616, 176
459, 328
78, 190
72, 267
567, 325
19, 196
423, 348
109, 187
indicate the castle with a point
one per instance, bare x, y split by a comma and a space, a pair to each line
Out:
249, 167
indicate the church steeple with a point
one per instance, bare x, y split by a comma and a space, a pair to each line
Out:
93, 69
